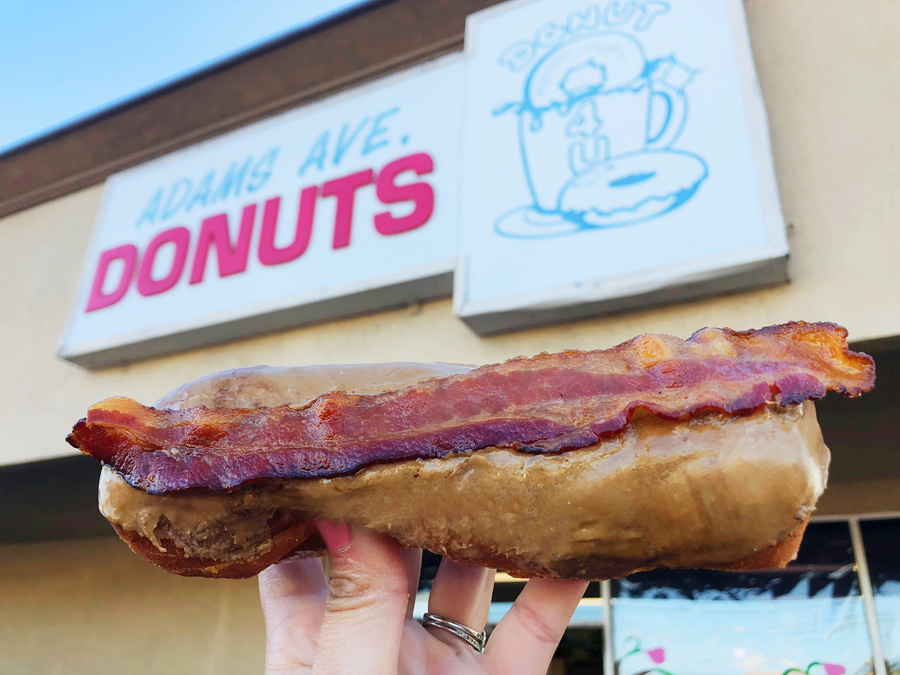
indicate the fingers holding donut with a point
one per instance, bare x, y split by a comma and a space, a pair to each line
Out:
412, 561
460, 598
461, 593
292, 595
527, 637
368, 598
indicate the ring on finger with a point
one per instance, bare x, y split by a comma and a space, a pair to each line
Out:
462, 593
475, 639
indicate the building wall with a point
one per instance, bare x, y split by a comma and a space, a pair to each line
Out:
822, 66
90, 606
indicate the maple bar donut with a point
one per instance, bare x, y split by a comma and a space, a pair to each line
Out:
656, 453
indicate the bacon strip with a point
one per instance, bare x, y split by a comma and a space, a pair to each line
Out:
549, 403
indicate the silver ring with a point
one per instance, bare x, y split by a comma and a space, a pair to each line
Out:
476, 640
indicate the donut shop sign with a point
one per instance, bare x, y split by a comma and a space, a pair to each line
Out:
334, 209
608, 156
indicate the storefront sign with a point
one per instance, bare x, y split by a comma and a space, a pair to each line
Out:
615, 154
341, 207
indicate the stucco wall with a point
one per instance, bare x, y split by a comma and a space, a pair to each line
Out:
824, 68
828, 71
92, 607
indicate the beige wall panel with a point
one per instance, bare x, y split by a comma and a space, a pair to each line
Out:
825, 68
92, 607
871, 496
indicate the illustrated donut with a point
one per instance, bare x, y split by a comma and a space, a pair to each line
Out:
581, 67
632, 187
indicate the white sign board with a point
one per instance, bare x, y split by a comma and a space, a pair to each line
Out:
615, 154
337, 208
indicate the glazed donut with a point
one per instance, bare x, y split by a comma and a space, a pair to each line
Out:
659, 452
632, 187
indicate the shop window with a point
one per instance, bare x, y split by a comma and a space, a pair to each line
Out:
579, 653
881, 540
808, 618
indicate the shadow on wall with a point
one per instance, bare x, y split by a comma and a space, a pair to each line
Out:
862, 433
53, 499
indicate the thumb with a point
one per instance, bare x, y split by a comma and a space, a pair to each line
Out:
367, 597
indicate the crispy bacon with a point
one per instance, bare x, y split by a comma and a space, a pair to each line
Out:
546, 404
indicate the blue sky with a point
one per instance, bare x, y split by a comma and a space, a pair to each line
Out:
64, 60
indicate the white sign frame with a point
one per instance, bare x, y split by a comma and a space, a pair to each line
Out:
409, 284
754, 266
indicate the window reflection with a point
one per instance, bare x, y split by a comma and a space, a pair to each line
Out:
808, 618
579, 653
881, 540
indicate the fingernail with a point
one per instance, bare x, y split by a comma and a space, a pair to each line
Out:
335, 535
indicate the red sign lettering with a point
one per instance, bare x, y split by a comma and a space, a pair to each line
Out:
269, 254
146, 284
344, 189
421, 193
232, 256
231, 259
98, 299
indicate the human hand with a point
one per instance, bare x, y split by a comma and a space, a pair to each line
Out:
360, 623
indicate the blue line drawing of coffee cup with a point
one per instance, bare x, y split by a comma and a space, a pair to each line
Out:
589, 104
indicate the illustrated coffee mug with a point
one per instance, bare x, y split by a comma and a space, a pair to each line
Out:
587, 102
